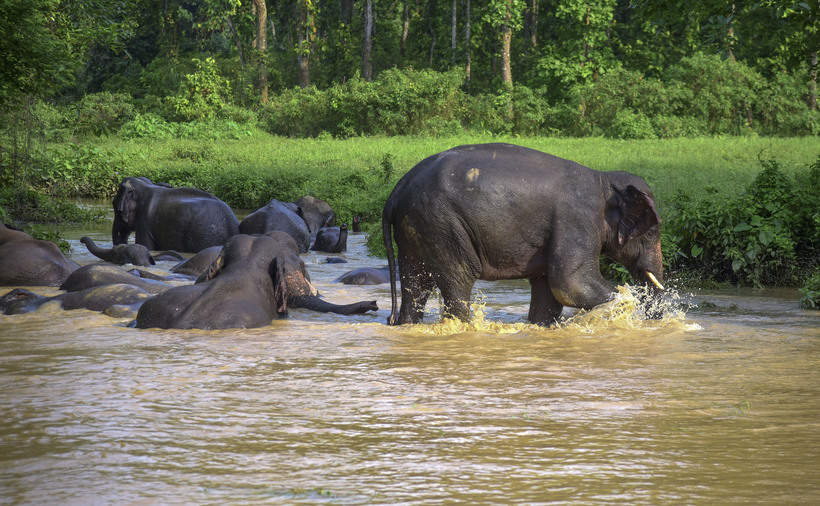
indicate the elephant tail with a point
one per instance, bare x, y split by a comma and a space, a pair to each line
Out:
387, 236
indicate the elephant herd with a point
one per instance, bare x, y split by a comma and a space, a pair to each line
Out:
487, 211
241, 275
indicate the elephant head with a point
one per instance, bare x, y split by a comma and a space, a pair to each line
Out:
126, 205
633, 229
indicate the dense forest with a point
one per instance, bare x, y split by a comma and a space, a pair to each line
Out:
617, 68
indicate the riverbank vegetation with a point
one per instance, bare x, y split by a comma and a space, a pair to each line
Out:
713, 103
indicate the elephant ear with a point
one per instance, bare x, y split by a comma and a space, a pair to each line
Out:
276, 269
214, 269
638, 214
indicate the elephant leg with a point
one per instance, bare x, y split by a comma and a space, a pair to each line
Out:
544, 307
455, 291
416, 286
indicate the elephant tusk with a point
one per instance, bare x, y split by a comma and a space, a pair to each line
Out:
654, 280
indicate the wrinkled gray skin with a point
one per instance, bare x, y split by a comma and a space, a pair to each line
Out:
167, 218
499, 211
365, 276
99, 274
331, 239
244, 288
25, 261
198, 263
109, 299
316, 212
120, 254
276, 215
254, 280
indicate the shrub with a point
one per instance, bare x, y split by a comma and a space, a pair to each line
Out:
630, 125
102, 113
759, 238
201, 95
811, 292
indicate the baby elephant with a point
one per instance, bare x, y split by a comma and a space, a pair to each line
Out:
122, 254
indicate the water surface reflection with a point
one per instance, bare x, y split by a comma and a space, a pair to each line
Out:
720, 406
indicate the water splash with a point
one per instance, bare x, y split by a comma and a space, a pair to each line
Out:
628, 309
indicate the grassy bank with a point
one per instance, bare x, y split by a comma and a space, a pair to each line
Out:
702, 186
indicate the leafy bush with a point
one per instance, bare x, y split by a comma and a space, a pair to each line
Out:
760, 238
201, 95
102, 113
630, 125
811, 292
722, 92
782, 109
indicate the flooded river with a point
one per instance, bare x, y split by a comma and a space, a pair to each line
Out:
716, 404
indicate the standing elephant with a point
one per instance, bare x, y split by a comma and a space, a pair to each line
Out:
499, 211
167, 218
316, 212
331, 239
276, 215
26, 261
122, 254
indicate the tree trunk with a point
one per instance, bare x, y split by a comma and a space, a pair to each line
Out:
405, 28
453, 31
468, 63
368, 41
306, 28
236, 41
506, 38
432, 32
813, 81
262, 46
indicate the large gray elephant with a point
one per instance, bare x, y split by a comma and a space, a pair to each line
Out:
26, 261
166, 218
277, 215
254, 280
122, 254
316, 212
499, 211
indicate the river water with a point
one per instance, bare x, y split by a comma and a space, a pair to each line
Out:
718, 403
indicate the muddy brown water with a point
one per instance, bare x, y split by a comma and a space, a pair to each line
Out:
716, 404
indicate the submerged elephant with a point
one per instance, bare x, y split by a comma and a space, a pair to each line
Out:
198, 263
26, 261
316, 212
115, 300
499, 211
277, 215
167, 218
365, 276
331, 239
122, 254
100, 274
254, 280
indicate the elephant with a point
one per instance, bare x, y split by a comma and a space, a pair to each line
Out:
365, 276
122, 254
26, 261
254, 280
118, 300
356, 226
198, 263
276, 215
301, 292
167, 218
331, 239
500, 211
99, 274
316, 212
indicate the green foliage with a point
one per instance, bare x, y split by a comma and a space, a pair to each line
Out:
759, 238
31, 207
102, 113
152, 126
811, 292
201, 95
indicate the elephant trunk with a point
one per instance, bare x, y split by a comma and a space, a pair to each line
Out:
120, 230
315, 303
94, 249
